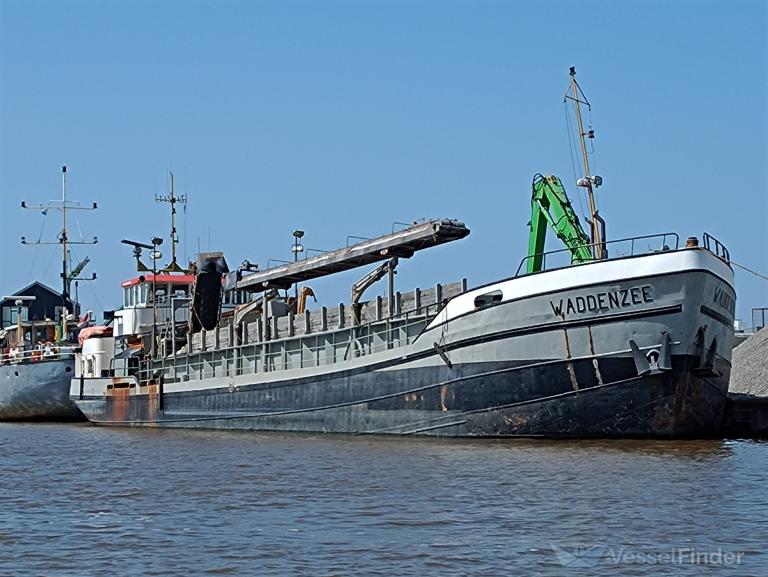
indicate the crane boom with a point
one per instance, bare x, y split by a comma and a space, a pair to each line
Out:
78, 269
550, 207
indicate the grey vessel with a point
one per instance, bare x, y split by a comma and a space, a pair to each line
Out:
626, 338
38, 391
34, 384
637, 345
37, 357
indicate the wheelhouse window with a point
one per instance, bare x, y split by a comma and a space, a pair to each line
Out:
161, 292
130, 295
487, 299
157, 293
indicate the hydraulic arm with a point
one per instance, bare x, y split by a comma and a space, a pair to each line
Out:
550, 207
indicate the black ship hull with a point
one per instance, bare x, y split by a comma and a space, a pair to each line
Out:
483, 400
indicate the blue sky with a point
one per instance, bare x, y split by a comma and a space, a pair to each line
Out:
342, 117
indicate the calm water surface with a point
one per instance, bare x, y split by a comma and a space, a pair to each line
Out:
80, 500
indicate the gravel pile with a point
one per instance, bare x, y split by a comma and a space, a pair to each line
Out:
749, 366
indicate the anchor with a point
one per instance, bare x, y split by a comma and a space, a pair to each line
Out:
655, 361
706, 366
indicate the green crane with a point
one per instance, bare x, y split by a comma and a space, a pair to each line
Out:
550, 207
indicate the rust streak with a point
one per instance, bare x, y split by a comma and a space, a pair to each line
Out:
443, 395
594, 359
569, 366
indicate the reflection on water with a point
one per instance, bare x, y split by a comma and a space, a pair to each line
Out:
84, 500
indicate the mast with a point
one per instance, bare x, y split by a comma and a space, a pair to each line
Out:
64, 259
67, 275
596, 224
172, 199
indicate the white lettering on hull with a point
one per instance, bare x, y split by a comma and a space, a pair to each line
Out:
602, 301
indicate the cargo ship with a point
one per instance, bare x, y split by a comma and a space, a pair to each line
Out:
622, 338
637, 345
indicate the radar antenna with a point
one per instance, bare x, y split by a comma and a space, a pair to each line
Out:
173, 200
67, 275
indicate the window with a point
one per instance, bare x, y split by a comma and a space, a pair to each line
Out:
235, 297
488, 299
11, 315
6, 319
160, 291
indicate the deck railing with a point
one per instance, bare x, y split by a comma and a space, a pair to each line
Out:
715, 246
759, 318
16, 356
619, 248
297, 352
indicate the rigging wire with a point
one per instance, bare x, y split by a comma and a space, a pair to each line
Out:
591, 152
568, 132
48, 265
36, 252
72, 253
571, 147
580, 97
762, 276
186, 193
95, 297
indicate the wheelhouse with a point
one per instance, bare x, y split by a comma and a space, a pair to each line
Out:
146, 290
